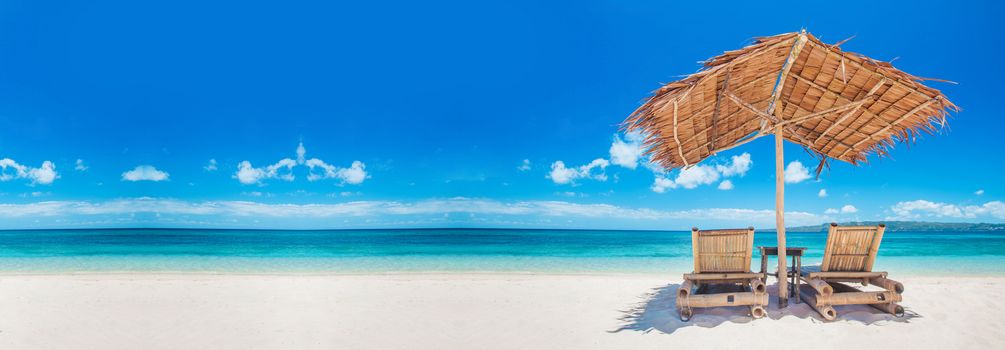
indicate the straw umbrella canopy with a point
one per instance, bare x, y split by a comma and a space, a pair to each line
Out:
836, 104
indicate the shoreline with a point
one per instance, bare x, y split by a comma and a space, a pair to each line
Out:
435, 275
418, 274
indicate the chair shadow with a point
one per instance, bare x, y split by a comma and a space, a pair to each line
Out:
657, 311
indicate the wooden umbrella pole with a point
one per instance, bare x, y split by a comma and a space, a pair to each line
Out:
773, 109
783, 281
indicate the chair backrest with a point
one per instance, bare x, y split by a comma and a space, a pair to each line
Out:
852, 248
722, 250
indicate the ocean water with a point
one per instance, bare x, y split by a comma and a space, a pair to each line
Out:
445, 250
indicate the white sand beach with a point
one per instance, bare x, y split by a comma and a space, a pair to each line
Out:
460, 311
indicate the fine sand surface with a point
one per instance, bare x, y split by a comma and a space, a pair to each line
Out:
461, 311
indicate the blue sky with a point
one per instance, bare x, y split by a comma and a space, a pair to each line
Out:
447, 114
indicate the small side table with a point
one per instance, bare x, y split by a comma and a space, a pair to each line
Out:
793, 273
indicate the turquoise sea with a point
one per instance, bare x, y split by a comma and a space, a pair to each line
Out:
443, 250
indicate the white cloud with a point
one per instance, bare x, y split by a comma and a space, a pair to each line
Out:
594, 170
922, 208
908, 209
822, 193
434, 207
979, 192
629, 151
43, 175
353, 175
524, 165
248, 174
847, 209
627, 154
739, 165
662, 183
571, 194
145, 173
795, 172
211, 166
697, 175
80, 166
283, 170
301, 152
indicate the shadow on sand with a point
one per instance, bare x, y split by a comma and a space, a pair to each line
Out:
657, 311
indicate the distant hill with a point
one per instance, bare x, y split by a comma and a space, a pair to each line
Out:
912, 226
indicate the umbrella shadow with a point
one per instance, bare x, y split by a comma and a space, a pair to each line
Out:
656, 311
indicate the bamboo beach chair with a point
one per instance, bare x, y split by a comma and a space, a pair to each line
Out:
849, 257
722, 275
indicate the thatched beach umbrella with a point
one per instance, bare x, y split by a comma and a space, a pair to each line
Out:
836, 104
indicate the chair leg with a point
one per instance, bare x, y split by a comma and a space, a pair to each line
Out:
818, 302
760, 291
887, 284
890, 308
690, 297
893, 286
683, 294
685, 314
821, 286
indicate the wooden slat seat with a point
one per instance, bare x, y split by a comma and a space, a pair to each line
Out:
722, 260
722, 250
814, 271
851, 248
849, 257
